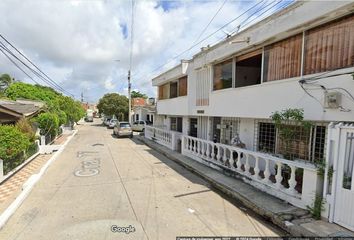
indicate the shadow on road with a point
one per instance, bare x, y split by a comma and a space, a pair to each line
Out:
196, 179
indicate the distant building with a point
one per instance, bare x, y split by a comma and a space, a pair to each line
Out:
138, 102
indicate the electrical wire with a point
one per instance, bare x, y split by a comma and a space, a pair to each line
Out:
205, 38
211, 20
250, 16
269, 9
23, 63
8, 42
47, 79
8, 57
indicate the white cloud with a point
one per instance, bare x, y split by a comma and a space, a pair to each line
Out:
76, 42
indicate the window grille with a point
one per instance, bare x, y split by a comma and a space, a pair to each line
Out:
304, 144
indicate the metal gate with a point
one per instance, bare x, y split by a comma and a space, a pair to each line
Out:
344, 179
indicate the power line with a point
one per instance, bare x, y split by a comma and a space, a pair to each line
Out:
23, 63
250, 16
211, 20
47, 79
18, 67
208, 36
269, 9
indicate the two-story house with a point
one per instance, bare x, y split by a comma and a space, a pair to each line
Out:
216, 107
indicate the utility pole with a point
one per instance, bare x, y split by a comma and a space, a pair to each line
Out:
82, 97
130, 99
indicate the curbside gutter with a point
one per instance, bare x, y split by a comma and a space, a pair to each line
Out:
293, 228
29, 184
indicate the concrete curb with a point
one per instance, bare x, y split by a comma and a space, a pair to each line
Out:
291, 228
29, 184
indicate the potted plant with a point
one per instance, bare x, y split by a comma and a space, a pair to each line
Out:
286, 123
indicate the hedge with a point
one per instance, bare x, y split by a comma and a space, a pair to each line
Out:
13, 147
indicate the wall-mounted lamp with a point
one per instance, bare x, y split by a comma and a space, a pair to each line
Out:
246, 40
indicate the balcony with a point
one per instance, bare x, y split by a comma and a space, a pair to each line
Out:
173, 106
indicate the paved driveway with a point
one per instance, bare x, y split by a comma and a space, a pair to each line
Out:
102, 187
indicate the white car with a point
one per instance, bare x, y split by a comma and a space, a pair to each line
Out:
112, 123
139, 126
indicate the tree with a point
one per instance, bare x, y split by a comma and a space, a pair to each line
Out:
67, 109
114, 104
137, 94
5, 81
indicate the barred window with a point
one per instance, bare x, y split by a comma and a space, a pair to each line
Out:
305, 144
176, 124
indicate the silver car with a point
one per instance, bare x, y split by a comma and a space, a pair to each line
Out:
123, 129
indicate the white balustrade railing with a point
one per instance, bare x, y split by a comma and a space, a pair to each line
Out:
272, 174
162, 136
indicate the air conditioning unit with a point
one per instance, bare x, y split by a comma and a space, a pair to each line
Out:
332, 100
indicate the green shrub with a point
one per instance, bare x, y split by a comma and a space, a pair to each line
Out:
13, 146
63, 119
317, 207
48, 123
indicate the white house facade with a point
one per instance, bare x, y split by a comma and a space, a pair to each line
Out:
216, 107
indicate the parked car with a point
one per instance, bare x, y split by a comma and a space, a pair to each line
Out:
139, 126
123, 129
106, 120
112, 123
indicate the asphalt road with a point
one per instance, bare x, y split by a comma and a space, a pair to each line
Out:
102, 187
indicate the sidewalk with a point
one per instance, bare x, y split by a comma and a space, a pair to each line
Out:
12, 187
296, 221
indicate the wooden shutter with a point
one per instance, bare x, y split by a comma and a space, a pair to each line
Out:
330, 46
182, 86
282, 60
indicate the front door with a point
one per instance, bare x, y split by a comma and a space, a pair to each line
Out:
193, 127
344, 194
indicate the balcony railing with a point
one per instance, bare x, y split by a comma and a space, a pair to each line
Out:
162, 136
292, 181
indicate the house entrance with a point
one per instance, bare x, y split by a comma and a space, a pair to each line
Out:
344, 182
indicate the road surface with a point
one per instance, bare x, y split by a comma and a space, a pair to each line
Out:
102, 187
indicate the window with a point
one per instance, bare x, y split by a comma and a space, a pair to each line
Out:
304, 144
222, 75
283, 59
348, 166
164, 91
173, 90
330, 46
248, 69
216, 127
182, 86
203, 78
136, 117
266, 137
176, 124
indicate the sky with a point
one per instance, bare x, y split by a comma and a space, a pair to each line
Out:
84, 45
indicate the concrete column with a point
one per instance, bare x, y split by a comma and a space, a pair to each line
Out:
42, 140
174, 141
312, 184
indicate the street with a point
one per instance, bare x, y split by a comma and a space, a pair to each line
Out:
102, 187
